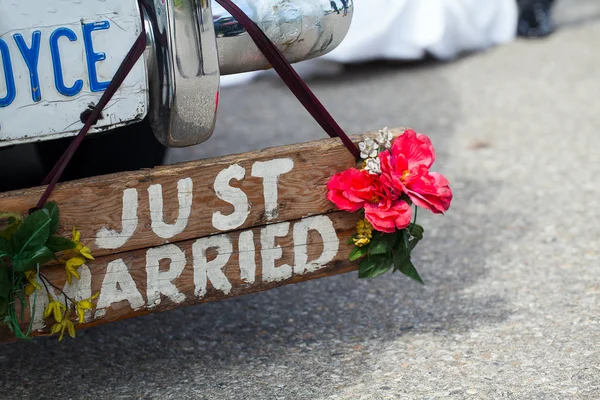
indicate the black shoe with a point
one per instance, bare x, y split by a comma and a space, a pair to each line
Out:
535, 18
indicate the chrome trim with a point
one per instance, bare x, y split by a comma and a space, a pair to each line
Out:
183, 71
301, 29
186, 54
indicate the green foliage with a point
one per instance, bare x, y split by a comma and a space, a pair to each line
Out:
5, 284
5, 247
5, 289
416, 231
32, 234
51, 209
357, 252
25, 245
3, 307
14, 222
382, 243
29, 260
373, 266
33, 243
388, 250
59, 243
408, 269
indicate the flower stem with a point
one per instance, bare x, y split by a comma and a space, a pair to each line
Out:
44, 282
57, 288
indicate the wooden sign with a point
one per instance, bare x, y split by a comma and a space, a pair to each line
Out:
200, 231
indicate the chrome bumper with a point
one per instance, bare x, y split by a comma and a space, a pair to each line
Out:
192, 42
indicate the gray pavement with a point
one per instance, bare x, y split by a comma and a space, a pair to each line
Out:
511, 309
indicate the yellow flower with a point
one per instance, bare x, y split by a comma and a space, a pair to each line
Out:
54, 308
84, 305
360, 242
364, 228
71, 266
364, 233
79, 247
33, 284
61, 326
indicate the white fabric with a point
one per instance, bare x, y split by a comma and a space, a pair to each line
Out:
409, 29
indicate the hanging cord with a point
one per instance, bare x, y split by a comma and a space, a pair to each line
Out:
290, 77
126, 66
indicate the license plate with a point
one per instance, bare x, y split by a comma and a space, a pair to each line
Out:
57, 58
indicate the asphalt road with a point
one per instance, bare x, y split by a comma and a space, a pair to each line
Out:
511, 308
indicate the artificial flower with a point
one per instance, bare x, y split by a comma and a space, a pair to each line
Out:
433, 192
361, 241
351, 189
368, 148
384, 138
54, 308
372, 165
83, 305
363, 227
64, 324
79, 247
415, 148
364, 233
71, 266
388, 217
33, 284
405, 168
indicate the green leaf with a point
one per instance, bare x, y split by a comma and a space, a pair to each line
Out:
5, 284
357, 253
59, 243
350, 240
52, 210
29, 260
401, 255
5, 247
32, 234
10, 216
416, 231
3, 307
373, 266
382, 243
14, 221
408, 269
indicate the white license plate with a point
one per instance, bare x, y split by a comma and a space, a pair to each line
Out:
56, 59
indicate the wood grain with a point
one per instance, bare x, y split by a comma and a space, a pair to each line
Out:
137, 267
96, 203
134, 267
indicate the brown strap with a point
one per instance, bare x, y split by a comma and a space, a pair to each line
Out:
290, 77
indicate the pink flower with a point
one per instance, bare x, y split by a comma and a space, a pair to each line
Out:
387, 217
433, 192
351, 189
405, 168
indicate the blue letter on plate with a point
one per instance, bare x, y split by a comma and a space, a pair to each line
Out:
58, 73
31, 56
8, 76
93, 58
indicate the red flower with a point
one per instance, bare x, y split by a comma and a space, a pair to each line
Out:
405, 168
387, 217
351, 189
432, 192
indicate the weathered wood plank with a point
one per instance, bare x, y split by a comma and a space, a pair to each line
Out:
210, 268
199, 231
174, 203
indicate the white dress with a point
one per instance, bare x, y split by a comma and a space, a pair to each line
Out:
410, 29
